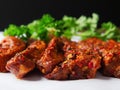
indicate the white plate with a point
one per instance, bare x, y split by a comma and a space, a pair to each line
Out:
34, 81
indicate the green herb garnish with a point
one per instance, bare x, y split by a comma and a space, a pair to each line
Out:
46, 27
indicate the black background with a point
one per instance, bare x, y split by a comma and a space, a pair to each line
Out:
24, 11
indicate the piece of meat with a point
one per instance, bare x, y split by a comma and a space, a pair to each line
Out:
24, 62
79, 63
52, 56
9, 46
111, 59
91, 43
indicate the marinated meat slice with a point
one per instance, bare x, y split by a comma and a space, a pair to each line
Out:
35, 50
20, 65
79, 63
91, 43
111, 59
9, 46
61, 72
52, 56
24, 62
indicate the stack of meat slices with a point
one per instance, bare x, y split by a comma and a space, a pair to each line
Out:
24, 62
78, 63
61, 59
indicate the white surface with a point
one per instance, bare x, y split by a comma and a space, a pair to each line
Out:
34, 81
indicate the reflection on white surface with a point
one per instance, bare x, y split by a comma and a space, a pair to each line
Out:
1, 35
34, 81
76, 38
